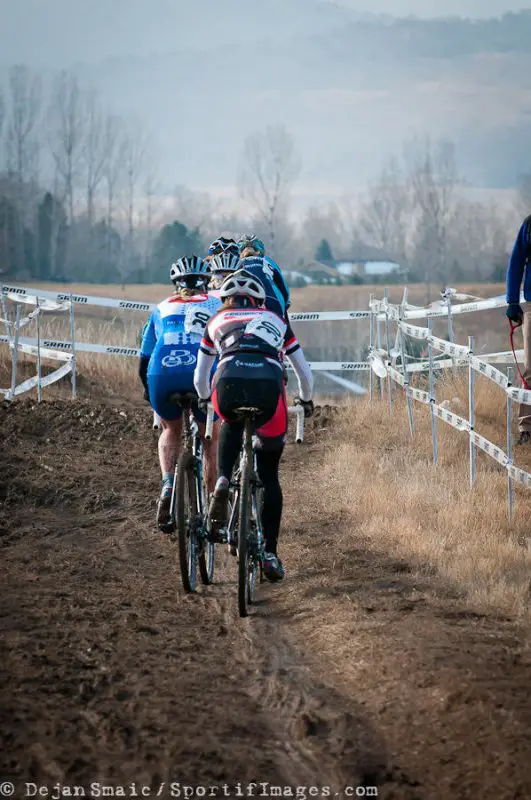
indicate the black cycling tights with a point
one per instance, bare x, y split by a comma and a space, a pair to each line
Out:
267, 462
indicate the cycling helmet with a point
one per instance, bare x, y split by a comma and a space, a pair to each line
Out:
221, 245
225, 262
190, 271
252, 242
243, 284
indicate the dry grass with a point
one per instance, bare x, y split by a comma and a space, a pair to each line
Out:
385, 481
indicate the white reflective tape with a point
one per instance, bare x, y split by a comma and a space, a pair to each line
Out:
520, 395
327, 316
489, 448
489, 372
519, 475
53, 355
33, 300
449, 348
414, 331
464, 308
452, 419
31, 383
418, 394
396, 375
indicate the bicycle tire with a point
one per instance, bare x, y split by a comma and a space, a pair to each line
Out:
207, 552
186, 493
243, 541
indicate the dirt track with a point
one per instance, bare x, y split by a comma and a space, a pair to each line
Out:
356, 672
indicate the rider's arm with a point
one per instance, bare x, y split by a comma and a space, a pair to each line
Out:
515, 271
302, 369
205, 358
149, 340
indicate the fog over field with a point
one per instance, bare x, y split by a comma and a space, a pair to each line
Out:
347, 79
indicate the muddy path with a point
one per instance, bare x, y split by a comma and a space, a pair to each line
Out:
356, 672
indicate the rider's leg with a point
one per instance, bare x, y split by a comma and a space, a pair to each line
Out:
210, 448
267, 463
169, 448
229, 446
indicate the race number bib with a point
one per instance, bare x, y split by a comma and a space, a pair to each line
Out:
196, 319
269, 328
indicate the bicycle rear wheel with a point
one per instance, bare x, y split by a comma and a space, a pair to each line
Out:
207, 550
187, 521
246, 566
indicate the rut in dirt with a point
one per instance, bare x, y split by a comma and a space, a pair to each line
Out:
110, 670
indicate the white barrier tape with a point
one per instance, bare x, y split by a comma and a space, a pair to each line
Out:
419, 395
396, 375
327, 316
449, 348
115, 350
464, 308
505, 357
520, 395
20, 292
489, 448
519, 475
415, 331
40, 300
31, 383
489, 372
451, 418
52, 355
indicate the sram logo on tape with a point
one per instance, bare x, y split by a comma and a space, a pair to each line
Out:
134, 306
122, 351
302, 317
76, 298
58, 345
14, 289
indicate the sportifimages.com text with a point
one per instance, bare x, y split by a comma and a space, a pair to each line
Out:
167, 789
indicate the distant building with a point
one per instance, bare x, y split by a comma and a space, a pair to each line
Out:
368, 268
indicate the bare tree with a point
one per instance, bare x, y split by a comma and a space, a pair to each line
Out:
2, 115
193, 209
67, 135
113, 168
433, 180
268, 169
23, 148
95, 151
134, 156
384, 213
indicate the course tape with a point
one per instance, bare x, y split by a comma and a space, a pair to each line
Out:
47, 380
451, 419
489, 372
519, 475
43, 303
489, 448
33, 350
415, 331
419, 395
115, 350
449, 348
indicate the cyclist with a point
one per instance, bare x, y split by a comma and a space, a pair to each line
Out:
221, 266
251, 247
251, 342
222, 245
168, 356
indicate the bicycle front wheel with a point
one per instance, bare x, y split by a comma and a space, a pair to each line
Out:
187, 520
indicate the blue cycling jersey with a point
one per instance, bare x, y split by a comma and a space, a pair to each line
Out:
262, 269
279, 281
172, 336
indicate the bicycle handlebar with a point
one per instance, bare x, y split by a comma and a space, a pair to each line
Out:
299, 411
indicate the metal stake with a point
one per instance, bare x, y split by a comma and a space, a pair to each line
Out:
371, 344
432, 396
39, 373
379, 345
74, 357
388, 348
404, 370
15, 354
471, 413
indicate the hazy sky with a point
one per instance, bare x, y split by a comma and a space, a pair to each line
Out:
436, 8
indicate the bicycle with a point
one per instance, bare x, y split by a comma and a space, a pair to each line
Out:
244, 533
189, 502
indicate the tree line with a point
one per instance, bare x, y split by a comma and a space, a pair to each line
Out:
80, 200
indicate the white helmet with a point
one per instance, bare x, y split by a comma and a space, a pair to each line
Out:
243, 284
225, 262
190, 271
